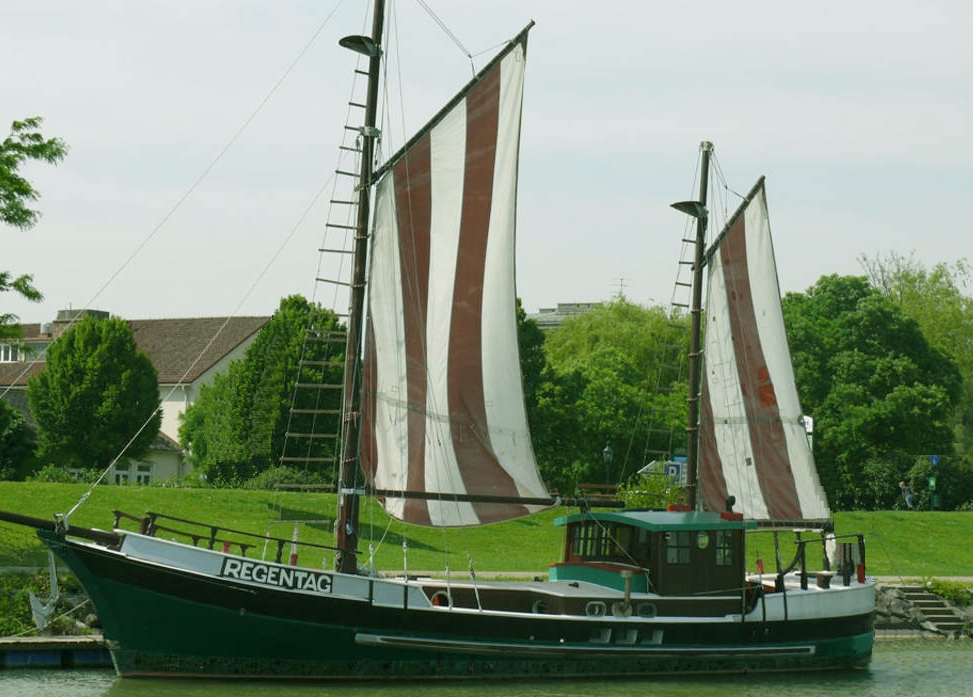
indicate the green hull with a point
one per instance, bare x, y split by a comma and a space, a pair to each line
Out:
170, 621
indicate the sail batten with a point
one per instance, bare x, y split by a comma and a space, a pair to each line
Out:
753, 445
442, 383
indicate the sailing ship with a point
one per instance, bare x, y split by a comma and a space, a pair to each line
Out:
435, 427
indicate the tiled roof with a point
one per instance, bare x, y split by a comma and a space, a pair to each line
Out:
180, 349
183, 349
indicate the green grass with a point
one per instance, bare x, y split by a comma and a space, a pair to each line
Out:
899, 543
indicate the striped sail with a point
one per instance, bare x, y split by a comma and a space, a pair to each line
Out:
752, 441
443, 409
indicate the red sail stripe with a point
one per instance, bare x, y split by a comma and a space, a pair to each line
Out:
479, 468
368, 452
413, 202
712, 483
767, 438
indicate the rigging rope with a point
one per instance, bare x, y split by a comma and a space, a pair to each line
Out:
175, 207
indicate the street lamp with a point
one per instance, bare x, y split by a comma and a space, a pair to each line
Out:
608, 453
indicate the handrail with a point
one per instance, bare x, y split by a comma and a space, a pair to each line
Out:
213, 535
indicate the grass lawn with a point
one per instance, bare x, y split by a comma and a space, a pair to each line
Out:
899, 543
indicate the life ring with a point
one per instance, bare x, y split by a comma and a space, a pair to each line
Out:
441, 599
595, 608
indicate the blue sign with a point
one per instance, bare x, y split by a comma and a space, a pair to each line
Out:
934, 459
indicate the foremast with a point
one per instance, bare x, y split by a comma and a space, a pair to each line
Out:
346, 533
696, 209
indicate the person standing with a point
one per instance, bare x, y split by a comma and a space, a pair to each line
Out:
907, 494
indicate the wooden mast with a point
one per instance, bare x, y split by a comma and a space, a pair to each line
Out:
695, 347
346, 533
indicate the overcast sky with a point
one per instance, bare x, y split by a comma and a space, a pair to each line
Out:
858, 113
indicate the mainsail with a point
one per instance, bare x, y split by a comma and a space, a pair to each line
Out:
443, 406
752, 440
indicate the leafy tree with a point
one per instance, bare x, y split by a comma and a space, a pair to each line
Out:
879, 392
237, 428
16, 444
606, 368
23, 144
934, 298
97, 398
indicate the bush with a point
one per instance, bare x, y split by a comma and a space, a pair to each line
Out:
271, 478
55, 474
15, 617
957, 593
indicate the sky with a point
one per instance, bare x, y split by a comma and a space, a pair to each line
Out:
201, 131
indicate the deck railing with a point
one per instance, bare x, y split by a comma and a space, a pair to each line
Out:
215, 536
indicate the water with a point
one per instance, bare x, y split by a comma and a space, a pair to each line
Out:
931, 668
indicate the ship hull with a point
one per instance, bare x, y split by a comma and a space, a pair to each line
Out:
175, 610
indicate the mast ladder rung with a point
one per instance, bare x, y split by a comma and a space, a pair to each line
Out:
346, 173
337, 283
338, 226
308, 460
343, 203
359, 71
313, 436
358, 105
684, 284
317, 412
321, 364
317, 386
686, 263
680, 304
338, 251
349, 148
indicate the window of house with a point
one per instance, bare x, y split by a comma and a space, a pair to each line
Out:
9, 353
678, 547
724, 548
143, 473
121, 476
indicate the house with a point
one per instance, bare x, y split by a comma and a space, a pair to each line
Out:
551, 317
187, 353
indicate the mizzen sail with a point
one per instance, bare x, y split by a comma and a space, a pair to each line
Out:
443, 407
752, 440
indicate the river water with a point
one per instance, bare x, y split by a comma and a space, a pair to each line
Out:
899, 668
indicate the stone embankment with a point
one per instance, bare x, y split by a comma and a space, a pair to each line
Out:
910, 610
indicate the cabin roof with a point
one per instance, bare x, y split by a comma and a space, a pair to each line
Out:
662, 520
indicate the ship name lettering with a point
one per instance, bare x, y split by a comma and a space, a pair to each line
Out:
280, 576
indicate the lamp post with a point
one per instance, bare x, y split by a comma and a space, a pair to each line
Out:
608, 453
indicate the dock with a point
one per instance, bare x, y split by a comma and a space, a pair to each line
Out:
88, 651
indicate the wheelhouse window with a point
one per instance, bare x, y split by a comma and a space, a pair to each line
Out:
606, 542
678, 547
724, 548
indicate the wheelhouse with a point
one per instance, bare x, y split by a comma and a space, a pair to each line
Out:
664, 552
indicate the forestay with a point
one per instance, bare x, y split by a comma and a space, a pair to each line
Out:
443, 406
752, 441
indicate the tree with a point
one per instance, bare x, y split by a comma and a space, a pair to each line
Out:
879, 392
606, 380
23, 144
16, 444
97, 398
237, 427
934, 298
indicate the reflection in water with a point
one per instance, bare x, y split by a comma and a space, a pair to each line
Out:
931, 668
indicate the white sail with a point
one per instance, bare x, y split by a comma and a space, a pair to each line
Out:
752, 442
443, 410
